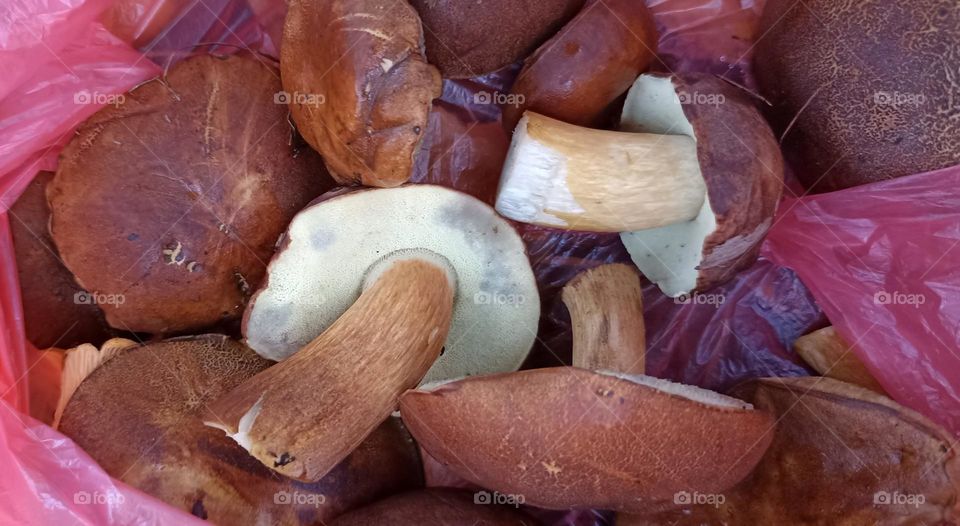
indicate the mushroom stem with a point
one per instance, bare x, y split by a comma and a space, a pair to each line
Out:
606, 311
304, 415
566, 176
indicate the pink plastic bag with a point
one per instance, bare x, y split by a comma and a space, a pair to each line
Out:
744, 332
883, 261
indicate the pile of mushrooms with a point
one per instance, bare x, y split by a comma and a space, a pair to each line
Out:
691, 182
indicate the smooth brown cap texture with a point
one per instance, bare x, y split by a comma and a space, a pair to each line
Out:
56, 311
870, 86
576, 75
842, 455
137, 415
468, 39
174, 198
570, 438
359, 85
436, 507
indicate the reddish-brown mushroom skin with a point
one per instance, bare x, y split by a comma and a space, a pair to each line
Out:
612, 443
173, 199
579, 73
436, 507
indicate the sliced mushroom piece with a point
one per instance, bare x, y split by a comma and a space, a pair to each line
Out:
567, 437
166, 205
831, 356
426, 261
359, 85
436, 507
496, 309
138, 416
841, 455
692, 182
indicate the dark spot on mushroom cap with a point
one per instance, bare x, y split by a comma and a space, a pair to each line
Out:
284, 459
133, 237
416, 129
197, 510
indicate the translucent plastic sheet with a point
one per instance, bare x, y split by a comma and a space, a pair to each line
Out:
839, 244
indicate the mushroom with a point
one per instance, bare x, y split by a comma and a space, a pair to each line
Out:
56, 312
434, 269
861, 91
692, 183
577, 75
359, 86
841, 455
137, 415
166, 205
436, 507
566, 437
830, 355
470, 39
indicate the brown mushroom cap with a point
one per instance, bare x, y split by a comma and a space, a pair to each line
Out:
360, 88
56, 311
742, 167
566, 437
868, 89
842, 455
576, 75
469, 39
137, 415
435, 507
174, 198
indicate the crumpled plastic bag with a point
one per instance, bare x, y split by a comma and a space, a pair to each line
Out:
883, 261
49, 50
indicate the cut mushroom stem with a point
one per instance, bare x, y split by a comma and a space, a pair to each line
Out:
304, 415
606, 311
566, 176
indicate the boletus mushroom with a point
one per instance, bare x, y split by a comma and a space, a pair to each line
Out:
469, 39
138, 414
577, 75
368, 290
359, 87
841, 455
566, 437
692, 182
169, 203
436, 507
861, 91
56, 311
